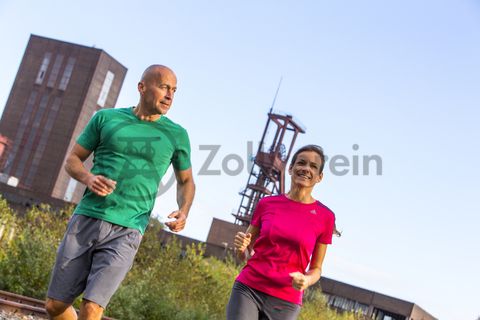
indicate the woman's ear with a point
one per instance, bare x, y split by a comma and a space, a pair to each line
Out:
320, 177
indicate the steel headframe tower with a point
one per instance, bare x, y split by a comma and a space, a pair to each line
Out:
267, 176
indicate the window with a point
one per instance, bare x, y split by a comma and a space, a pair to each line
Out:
361, 308
43, 68
346, 304
107, 83
54, 73
29, 147
21, 130
72, 184
45, 133
67, 73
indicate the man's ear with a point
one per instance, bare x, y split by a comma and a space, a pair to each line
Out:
141, 87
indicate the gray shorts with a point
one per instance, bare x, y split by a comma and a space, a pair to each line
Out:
249, 304
93, 257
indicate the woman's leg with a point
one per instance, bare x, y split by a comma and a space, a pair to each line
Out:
243, 303
278, 309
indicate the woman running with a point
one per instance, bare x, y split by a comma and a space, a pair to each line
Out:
287, 233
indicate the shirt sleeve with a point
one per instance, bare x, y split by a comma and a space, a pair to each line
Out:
181, 157
258, 213
326, 236
90, 136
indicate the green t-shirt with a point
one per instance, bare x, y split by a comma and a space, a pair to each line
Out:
136, 154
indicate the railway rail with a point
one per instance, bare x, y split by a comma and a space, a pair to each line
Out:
18, 304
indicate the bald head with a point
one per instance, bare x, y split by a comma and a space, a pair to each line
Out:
157, 89
155, 72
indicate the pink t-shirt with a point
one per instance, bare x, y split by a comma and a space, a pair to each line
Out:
289, 231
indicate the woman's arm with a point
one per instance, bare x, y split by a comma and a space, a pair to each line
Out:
243, 242
302, 281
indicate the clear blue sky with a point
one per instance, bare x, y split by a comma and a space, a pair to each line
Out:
401, 79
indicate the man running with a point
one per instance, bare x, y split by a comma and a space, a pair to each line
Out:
132, 147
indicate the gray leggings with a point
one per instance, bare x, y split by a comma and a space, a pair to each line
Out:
250, 304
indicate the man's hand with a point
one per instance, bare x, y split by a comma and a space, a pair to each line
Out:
241, 241
100, 185
179, 223
299, 281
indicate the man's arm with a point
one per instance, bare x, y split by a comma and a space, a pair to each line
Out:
99, 185
185, 194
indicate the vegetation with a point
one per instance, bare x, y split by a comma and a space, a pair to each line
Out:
28, 247
166, 282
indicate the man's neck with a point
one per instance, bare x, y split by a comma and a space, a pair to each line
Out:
141, 114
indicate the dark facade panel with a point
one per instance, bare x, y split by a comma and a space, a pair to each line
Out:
380, 306
54, 94
346, 290
222, 232
420, 314
392, 304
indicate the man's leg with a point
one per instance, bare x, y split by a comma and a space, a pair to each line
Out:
112, 259
71, 269
58, 310
90, 311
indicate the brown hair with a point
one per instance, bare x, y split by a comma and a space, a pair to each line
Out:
310, 147
319, 150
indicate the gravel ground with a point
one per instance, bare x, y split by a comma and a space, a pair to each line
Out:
12, 316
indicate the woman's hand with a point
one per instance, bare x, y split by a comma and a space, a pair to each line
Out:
299, 281
242, 241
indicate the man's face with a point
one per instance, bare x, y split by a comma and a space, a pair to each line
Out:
158, 91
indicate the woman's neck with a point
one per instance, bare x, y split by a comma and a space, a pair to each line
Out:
300, 195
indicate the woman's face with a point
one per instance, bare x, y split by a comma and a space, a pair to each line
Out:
305, 171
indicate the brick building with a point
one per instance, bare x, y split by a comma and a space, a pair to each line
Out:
57, 89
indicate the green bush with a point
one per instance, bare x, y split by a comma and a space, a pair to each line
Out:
166, 282
8, 225
27, 260
315, 307
173, 283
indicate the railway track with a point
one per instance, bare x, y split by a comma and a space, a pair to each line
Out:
17, 304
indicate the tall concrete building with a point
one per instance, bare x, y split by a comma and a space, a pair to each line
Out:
58, 87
